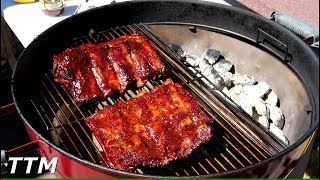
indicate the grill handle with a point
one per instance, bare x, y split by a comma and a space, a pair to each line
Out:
272, 44
18, 152
7, 109
297, 26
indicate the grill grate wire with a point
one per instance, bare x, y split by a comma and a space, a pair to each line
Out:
227, 150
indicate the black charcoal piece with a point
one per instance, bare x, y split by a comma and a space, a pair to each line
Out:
211, 55
176, 49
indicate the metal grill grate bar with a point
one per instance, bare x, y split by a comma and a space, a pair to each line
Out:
61, 124
228, 149
54, 128
77, 120
66, 117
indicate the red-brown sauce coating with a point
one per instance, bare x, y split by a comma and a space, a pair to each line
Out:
152, 129
99, 70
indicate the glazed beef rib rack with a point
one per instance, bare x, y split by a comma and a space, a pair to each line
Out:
236, 142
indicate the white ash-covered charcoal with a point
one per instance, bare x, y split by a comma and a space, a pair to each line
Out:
226, 91
198, 71
204, 67
244, 80
235, 91
249, 90
276, 116
271, 98
257, 99
192, 59
262, 88
223, 66
241, 101
263, 120
234, 76
248, 109
216, 80
260, 107
244, 102
203, 64
279, 133
198, 60
258, 90
208, 70
227, 78
177, 49
238, 97
211, 55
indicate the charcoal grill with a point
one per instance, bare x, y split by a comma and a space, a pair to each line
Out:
52, 116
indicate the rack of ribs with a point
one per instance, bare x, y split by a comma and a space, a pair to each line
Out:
99, 70
152, 129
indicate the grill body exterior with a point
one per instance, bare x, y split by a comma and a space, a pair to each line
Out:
70, 166
34, 62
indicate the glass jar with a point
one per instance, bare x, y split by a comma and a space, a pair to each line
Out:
52, 7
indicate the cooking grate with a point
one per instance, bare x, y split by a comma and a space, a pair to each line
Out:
63, 119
